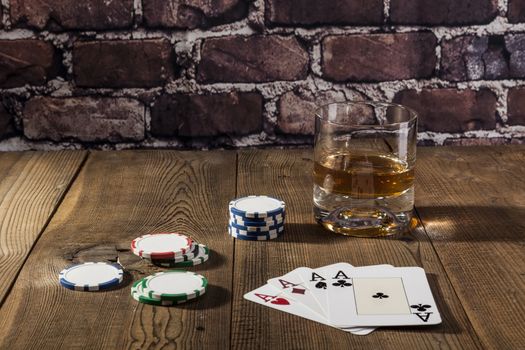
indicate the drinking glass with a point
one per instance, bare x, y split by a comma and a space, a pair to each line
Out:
364, 158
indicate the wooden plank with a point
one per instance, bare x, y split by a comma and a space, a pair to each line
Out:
472, 203
117, 197
31, 186
287, 175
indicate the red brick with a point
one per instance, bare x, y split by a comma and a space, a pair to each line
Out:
443, 12
252, 59
207, 115
86, 119
127, 63
297, 109
66, 14
516, 106
189, 14
6, 122
451, 110
378, 57
314, 12
516, 12
31, 62
515, 46
474, 58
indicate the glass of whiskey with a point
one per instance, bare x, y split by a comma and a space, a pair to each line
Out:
364, 158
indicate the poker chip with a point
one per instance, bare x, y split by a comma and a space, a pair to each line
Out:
203, 253
256, 237
255, 222
162, 246
256, 207
186, 257
91, 276
236, 230
255, 228
259, 221
174, 285
138, 295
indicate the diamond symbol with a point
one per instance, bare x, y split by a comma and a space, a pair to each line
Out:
298, 290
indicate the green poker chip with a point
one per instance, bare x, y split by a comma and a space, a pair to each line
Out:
174, 285
203, 254
137, 294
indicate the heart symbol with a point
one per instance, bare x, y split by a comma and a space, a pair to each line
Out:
280, 301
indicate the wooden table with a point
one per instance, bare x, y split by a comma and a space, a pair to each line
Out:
63, 207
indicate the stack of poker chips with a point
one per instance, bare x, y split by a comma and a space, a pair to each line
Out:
170, 250
169, 288
256, 218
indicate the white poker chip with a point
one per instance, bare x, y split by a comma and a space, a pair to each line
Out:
162, 245
91, 276
256, 207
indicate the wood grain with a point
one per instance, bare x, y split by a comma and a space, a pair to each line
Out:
472, 203
31, 186
117, 197
287, 174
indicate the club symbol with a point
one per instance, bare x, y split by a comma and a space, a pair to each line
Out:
342, 284
320, 285
380, 295
421, 307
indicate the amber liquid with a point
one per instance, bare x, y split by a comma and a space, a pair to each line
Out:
363, 176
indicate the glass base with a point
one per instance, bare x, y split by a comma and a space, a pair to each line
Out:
364, 221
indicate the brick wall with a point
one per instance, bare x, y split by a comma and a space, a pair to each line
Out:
168, 73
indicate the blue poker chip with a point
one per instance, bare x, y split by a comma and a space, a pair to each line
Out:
260, 237
256, 207
255, 228
91, 276
238, 231
268, 221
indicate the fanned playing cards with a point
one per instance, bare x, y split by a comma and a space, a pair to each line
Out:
353, 299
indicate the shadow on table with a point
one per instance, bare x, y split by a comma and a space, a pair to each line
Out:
215, 297
442, 223
473, 223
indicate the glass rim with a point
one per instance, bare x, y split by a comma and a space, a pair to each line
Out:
412, 114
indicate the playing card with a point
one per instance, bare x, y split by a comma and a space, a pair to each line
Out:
270, 296
339, 289
383, 297
293, 286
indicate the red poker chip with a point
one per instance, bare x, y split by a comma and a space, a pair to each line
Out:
164, 245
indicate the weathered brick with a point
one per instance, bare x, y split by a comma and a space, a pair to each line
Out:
297, 109
314, 12
192, 13
473, 58
128, 63
451, 110
31, 62
66, 14
476, 141
515, 45
516, 106
443, 12
84, 118
378, 57
207, 115
6, 122
252, 59
516, 12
